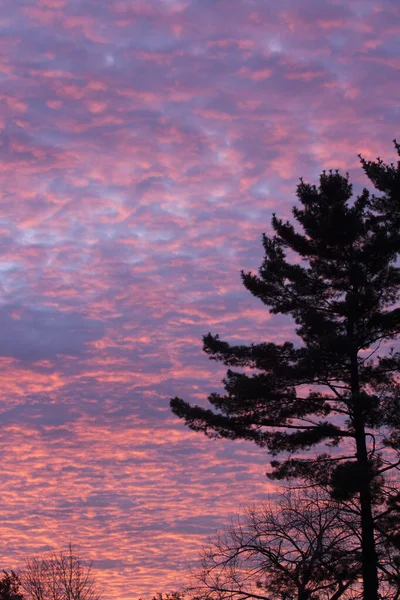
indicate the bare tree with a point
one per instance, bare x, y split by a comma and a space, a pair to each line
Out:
58, 575
305, 546
298, 551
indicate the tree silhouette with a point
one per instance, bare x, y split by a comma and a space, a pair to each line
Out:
10, 586
299, 546
335, 274
62, 575
296, 548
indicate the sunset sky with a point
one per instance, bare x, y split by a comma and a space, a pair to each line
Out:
144, 146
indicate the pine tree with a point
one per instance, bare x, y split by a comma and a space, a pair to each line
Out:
334, 272
10, 586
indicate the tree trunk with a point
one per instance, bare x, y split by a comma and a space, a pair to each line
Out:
369, 555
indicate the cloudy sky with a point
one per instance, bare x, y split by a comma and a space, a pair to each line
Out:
144, 146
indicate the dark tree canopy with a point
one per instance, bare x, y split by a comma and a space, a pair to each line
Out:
334, 271
10, 586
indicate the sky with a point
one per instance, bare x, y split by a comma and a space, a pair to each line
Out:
144, 146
